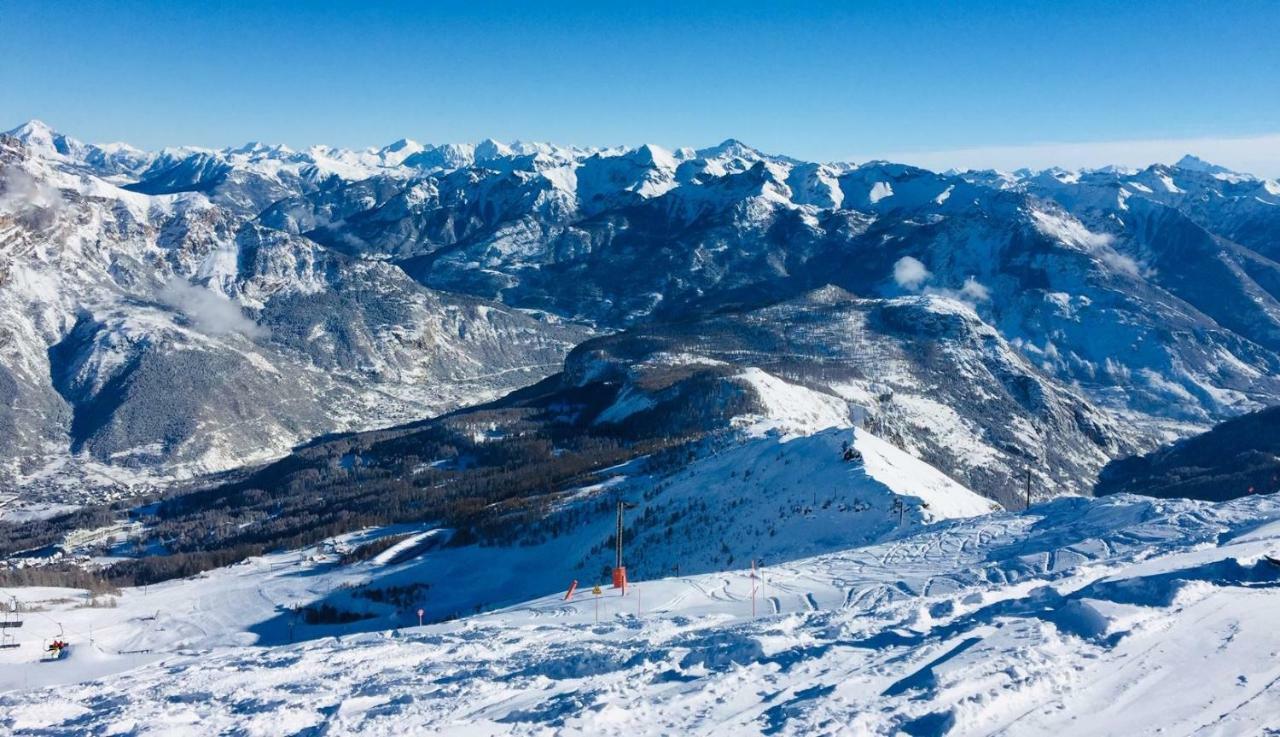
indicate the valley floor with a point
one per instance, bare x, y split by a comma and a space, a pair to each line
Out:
1118, 616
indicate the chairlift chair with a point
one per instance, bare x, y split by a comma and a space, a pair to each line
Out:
8, 624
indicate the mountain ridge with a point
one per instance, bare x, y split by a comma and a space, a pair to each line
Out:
1150, 293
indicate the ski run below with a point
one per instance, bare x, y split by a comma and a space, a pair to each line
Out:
1116, 616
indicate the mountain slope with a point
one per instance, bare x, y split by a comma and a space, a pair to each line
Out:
1236, 458
1135, 291
159, 337
924, 371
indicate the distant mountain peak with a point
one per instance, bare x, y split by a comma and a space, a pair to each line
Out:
258, 147
730, 147
35, 133
32, 127
1191, 162
492, 149
401, 144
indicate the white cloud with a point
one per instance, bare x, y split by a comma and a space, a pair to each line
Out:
975, 291
1259, 155
1122, 263
21, 192
910, 273
1072, 232
209, 312
971, 293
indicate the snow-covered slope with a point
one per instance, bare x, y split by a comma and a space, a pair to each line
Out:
768, 498
923, 370
1121, 616
1236, 458
765, 497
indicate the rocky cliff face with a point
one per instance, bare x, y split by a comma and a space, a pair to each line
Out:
153, 337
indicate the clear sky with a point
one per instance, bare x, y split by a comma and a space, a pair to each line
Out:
938, 83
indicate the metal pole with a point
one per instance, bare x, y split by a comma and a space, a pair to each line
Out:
753, 588
618, 563
764, 593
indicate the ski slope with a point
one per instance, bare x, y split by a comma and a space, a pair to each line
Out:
1119, 616
702, 518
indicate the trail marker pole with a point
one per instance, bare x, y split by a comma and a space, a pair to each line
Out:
597, 592
1028, 487
753, 588
764, 588
420, 613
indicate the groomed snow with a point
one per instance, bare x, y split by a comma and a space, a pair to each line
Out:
1122, 616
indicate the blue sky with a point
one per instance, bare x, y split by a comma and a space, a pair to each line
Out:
997, 82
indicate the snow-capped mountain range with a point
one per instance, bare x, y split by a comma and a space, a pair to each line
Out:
172, 313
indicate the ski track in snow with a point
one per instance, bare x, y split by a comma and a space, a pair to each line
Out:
1078, 617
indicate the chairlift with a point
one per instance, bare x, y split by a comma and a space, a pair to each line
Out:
58, 649
8, 624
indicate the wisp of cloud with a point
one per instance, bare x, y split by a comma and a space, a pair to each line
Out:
210, 312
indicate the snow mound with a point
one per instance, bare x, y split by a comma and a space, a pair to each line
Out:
789, 408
